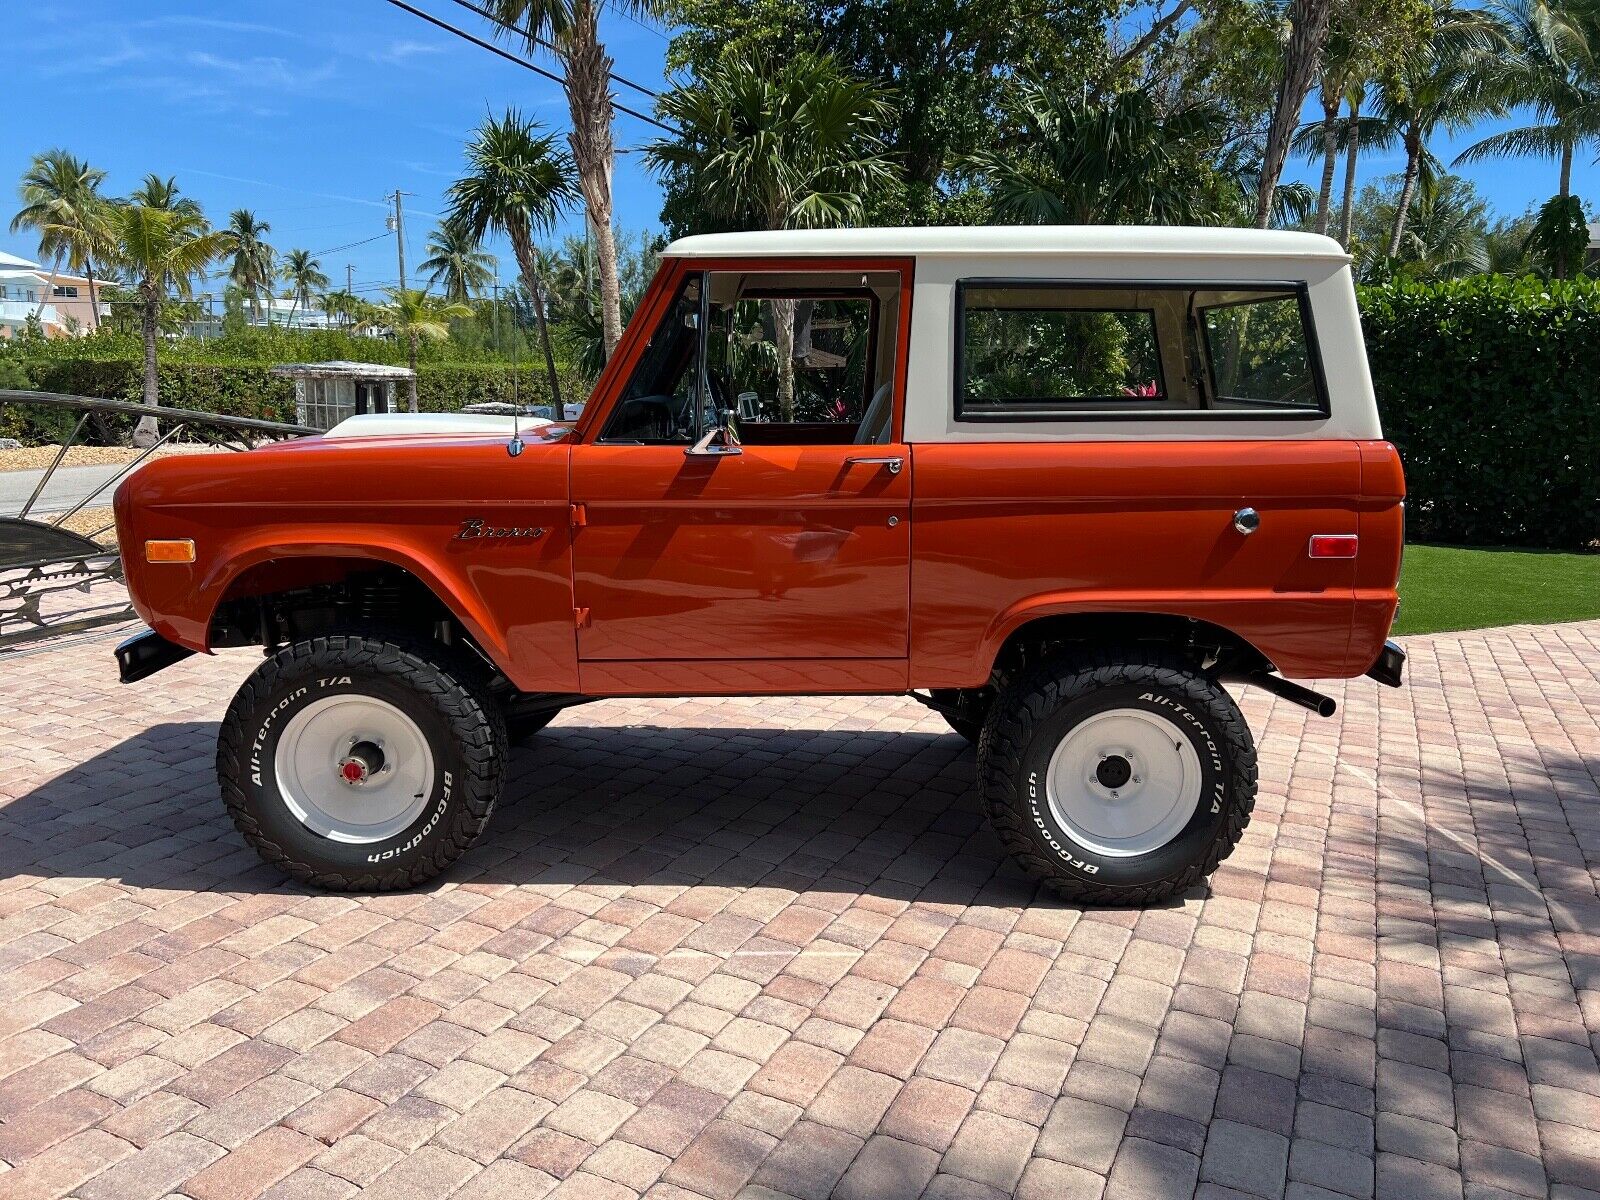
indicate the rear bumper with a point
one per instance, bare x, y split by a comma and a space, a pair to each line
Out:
1390, 666
142, 655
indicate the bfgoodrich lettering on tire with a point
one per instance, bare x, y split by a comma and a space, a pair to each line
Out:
1122, 778
360, 764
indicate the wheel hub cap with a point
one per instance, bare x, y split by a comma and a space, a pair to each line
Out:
1124, 782
363, 762
354, 769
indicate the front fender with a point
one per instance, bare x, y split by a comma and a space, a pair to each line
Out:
403, 507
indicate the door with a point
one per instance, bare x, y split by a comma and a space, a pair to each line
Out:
783, 540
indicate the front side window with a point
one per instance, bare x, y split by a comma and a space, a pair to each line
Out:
657, 406
1042, 350
796, 357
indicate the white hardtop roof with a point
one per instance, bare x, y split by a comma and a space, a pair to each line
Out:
343, 369
991, 240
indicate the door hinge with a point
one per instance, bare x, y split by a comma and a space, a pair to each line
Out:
579, 515
580, 618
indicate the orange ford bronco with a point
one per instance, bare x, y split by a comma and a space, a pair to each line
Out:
1059, 484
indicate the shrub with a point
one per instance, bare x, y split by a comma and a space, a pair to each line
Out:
1490, 387
248, 389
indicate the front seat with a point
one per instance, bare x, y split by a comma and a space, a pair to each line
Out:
874, 427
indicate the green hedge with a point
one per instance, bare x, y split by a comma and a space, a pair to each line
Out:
1490, 387
249, 390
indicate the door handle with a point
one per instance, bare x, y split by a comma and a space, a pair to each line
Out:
892, 462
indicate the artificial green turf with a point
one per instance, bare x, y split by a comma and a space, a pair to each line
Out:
1445, 587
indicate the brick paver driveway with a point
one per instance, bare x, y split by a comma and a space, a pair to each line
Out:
769, 949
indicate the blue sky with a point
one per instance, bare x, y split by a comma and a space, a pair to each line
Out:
309, 113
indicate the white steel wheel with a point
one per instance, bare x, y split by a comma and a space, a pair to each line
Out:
354, 769
1124, 782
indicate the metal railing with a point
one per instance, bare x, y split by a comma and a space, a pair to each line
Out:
43, 562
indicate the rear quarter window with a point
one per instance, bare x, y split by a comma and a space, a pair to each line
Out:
1047, 350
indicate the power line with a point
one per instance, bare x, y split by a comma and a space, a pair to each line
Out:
351, 245
529, 35
521, 62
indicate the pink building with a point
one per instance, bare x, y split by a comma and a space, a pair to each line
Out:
68, 308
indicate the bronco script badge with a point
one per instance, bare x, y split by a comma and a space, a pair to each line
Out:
472, 529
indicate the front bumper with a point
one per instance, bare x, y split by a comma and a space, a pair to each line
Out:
142, 655
1390, 666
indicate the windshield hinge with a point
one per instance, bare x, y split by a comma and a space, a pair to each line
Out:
579, 514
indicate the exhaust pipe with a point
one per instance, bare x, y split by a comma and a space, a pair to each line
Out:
1323, 706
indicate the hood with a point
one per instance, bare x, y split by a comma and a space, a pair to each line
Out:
420, 424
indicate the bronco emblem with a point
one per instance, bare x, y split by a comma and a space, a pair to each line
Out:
472, 529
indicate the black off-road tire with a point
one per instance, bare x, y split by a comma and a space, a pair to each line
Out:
1036, 711
965, 709
465, 732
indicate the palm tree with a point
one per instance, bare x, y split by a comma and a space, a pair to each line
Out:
61, 201
1447, 230
1100, 160
164, 195
303, 274
777, 145
1352, 133
517, 183
457, 265
162, 248
1552, 64
417, 316
571, 29
251, 268
1442, 85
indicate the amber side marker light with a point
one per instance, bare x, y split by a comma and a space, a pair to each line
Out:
178, 550
1333, 545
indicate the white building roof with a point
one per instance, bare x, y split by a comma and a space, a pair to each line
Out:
1118, 241
340, 368
11, 260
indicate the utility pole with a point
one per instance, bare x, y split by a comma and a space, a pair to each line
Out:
400, 235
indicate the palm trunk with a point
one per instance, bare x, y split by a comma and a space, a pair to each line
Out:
1308, 33
1407, 190
1348, 208
411, 361
528, 263
146, 432
49, 288
1566, 190
783, 327
589, 101
94, 295
1330, 150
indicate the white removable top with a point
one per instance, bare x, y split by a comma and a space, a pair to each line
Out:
1119, 241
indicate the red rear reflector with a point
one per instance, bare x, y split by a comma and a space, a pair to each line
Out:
1333, 545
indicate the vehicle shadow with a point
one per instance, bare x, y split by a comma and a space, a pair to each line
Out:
849, 811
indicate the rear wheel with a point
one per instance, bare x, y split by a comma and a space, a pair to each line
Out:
359, 764
1124, 779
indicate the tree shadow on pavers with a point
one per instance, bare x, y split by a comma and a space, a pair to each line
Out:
806, 810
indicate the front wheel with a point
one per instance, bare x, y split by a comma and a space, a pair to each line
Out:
358, 764
1124, 779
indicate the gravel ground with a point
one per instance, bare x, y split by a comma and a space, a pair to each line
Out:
90, 521
36, 458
